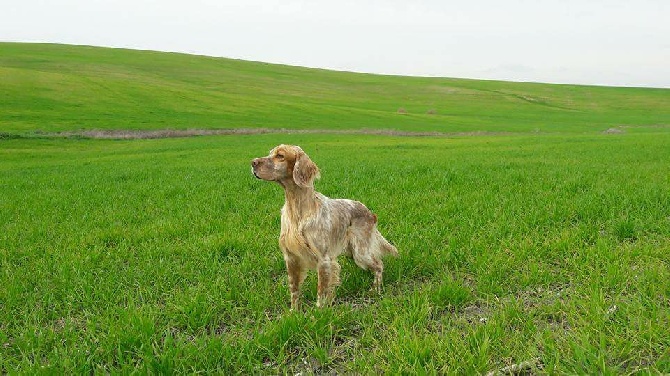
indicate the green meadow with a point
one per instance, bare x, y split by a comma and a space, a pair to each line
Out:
51, 88
529, 234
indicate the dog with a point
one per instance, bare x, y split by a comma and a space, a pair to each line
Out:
316, 229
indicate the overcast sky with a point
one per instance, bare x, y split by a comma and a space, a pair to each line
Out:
604, 42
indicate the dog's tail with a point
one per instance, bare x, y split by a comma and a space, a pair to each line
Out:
387, 248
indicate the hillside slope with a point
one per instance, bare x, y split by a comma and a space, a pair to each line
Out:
50, 88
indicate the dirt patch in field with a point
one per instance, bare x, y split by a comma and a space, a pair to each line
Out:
151, 134
614, 131
174, 133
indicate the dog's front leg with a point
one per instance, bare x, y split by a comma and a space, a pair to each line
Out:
323, 290
296, 276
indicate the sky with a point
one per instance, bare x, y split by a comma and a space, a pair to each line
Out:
596, 42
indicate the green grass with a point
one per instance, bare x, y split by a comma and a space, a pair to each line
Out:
161, 256
52, 88
548, 241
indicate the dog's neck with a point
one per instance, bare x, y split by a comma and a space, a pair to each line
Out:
300, 201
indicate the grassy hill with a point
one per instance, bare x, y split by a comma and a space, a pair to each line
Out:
50, 88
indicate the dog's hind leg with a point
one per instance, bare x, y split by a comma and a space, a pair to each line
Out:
366, 250
374, 264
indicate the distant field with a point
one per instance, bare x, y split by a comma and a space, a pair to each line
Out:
51, 88
528, 233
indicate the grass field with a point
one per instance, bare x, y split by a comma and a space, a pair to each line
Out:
52, 88
161, 255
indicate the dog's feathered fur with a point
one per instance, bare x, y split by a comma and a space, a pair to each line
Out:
316, 229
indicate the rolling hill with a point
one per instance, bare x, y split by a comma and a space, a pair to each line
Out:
56, 88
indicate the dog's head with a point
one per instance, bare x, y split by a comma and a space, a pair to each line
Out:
286, 164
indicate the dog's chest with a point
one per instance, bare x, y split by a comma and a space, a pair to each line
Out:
311, 230
291, 237
295, 245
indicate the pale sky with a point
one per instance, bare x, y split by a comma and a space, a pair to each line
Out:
602, 42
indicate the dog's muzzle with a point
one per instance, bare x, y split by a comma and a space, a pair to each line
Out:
254, 163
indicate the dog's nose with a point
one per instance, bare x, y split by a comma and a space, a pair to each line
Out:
255, 162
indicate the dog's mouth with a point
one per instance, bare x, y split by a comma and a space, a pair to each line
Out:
256, 175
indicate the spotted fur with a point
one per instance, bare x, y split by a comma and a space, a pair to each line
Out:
316, 229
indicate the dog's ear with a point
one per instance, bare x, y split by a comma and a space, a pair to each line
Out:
304, 170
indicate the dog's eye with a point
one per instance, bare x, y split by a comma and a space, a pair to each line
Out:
280, 157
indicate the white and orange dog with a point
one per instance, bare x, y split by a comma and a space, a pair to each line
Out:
316, 229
